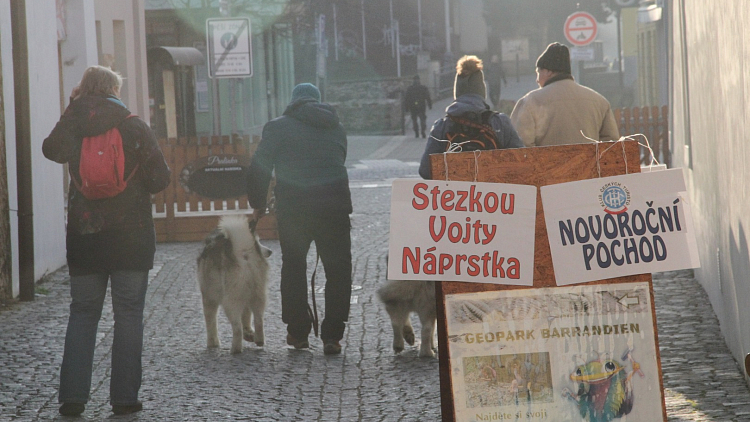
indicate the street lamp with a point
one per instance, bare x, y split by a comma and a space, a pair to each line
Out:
419, 22
364, 36
447, 26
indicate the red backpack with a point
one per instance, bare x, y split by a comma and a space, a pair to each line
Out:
102, 165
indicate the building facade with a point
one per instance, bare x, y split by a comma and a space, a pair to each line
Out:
221, 106
710, 122
45, 47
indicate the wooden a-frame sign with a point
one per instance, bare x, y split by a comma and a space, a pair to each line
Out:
537, 166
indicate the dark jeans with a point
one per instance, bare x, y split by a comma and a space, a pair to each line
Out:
331, 234
128, 299
418, 120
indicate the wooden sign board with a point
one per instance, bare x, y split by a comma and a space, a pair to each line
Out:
539, 166
183, 214
221, 176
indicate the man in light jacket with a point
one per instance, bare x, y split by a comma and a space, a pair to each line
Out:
561, 111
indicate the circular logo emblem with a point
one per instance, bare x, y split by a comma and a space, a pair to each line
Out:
615, 198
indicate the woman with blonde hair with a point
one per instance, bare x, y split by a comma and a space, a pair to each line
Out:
110, 235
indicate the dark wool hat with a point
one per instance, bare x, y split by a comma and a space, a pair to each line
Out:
305, 90
469, 77
555, 58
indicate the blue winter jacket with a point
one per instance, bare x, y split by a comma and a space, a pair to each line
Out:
306, 149
464, 106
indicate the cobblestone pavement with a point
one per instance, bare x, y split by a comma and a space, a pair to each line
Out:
184, 381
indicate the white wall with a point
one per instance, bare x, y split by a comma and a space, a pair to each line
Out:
47, 195
6, 51
128, 48
44, 97
710, 106
78, 49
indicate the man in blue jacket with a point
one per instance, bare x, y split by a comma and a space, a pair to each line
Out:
306, 148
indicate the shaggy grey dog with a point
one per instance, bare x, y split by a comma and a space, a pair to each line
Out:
401, 298
233, 274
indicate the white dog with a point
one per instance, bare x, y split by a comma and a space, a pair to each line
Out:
401, 298
233, 273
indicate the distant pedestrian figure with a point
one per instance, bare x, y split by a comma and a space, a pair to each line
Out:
468, 119
306, 150
108, 239
496, 80
416, 99
561, 111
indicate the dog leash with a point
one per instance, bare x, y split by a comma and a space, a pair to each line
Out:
314, 311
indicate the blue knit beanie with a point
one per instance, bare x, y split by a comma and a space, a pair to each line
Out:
305, 90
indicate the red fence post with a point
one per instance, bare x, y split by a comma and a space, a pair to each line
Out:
652, 123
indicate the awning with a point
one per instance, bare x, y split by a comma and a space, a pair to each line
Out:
178, 56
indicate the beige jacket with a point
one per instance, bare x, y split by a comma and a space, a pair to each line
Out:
557, 114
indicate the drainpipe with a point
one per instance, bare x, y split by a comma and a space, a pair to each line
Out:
23, 150
266, 59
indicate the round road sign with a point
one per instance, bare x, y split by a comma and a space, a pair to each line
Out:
580, 28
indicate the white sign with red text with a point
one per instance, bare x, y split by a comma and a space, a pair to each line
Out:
618, 226
462, 231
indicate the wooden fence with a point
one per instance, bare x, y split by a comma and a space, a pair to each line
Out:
183, 216
651, 122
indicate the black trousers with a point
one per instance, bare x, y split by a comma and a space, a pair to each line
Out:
495, 91
418, 120
332, 236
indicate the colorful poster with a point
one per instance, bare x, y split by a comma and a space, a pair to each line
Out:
618, 226
462, 231
577, 353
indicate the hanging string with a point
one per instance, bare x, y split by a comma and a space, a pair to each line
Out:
598, 156
624, 155
445, 163
653, 160
452, 148
477, 153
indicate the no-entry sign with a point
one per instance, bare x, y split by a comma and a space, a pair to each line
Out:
580, 28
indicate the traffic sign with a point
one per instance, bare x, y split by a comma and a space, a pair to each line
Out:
582, 53
230, 53
580, 28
